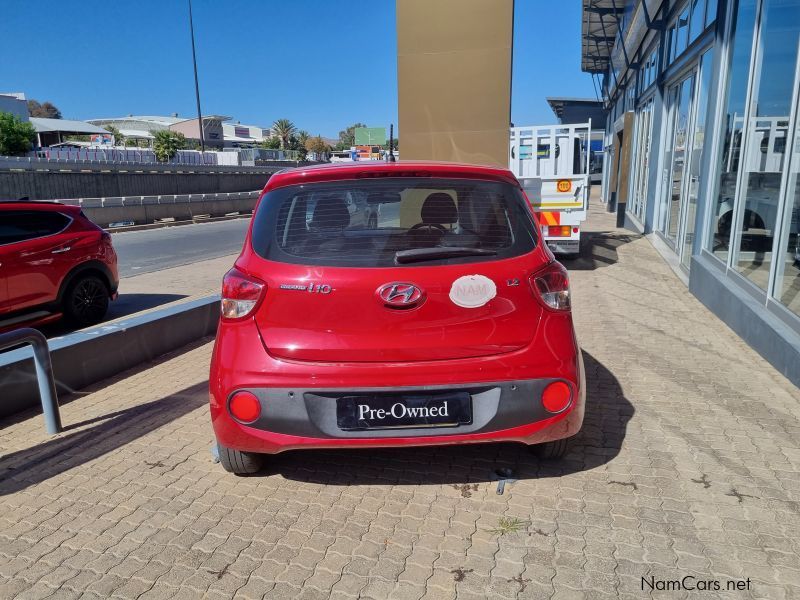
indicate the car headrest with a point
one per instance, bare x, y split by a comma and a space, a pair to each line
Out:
439, 208
330, 212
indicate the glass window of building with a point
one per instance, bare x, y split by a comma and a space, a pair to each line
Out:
697, 144
679, 103
641, 164
787, 281
682, 32
735, 95
711, 11
697, 16
765, 138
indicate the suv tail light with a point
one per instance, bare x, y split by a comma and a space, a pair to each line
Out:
552, 285
240, 294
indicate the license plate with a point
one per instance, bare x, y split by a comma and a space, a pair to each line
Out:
448, 409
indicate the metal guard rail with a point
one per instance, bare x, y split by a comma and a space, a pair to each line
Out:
44, 372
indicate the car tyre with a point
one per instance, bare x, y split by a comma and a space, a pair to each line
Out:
551, 450
238, 462
86, 300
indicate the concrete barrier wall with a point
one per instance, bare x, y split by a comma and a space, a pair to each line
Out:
52, 185
143, 210
84, 357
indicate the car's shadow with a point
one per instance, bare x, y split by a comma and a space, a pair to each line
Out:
598, 250
600, 440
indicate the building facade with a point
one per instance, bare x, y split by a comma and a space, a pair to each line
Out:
14, 103
217, 133
703, 150
237, 135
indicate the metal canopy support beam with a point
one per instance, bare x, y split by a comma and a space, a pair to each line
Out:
604, 10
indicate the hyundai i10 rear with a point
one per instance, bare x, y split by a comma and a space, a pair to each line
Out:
393, 305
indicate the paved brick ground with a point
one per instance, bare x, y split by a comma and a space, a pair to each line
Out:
196, 279
687, 465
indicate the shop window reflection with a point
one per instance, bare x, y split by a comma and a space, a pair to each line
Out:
736, 93
787, 281
772, 86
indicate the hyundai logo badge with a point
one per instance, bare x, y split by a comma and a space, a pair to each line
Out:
400, 295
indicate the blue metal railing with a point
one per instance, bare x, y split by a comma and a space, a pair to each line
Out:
44, 372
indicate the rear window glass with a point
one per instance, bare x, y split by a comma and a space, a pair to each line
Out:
393, 222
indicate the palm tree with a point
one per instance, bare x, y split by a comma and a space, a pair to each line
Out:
302, 137
283, 129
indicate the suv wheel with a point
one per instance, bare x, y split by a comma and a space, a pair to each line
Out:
86, 300
551, 450
238, 462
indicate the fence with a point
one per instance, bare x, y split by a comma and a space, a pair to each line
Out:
128, 155
231, 156
43, 369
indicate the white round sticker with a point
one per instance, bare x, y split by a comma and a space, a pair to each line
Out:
472, 291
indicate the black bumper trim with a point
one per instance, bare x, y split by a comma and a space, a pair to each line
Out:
311, 412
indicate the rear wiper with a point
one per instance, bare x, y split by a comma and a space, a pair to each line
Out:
422, 254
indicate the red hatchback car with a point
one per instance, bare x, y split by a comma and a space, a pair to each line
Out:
393, 304
53, 262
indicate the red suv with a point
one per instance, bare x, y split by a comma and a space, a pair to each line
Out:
436, 317
53, 261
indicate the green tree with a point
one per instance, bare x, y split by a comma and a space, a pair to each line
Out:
272, 143
119, 139
295, 145
302, 137
48, 110
166, 144
318, 146
347, 137
283, 129
16, 135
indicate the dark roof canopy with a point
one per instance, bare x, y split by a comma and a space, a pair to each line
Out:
600, 22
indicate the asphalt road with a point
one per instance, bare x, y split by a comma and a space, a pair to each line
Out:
156, 249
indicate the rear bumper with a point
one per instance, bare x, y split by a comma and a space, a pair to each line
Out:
298, 399
305, 418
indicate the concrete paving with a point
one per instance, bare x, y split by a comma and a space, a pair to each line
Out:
687, 466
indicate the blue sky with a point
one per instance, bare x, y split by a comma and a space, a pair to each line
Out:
322, 63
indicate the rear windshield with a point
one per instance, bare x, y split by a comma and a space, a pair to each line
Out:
393, 222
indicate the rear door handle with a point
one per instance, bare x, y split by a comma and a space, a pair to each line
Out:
61, 250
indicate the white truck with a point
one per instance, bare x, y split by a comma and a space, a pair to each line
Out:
552, 163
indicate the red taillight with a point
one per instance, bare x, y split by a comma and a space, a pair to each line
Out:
556, 397
552, 284
240, 294
245, 407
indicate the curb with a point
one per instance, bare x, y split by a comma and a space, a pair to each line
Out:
90, 355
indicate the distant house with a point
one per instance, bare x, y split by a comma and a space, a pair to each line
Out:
53, 131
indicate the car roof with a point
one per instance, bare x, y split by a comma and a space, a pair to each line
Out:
43, 205
367, 169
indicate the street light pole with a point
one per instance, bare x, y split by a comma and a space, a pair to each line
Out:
196, 84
